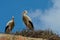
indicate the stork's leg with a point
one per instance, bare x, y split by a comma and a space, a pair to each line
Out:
27, 26
27, 30
33, 31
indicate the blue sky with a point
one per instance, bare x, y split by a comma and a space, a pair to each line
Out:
9, 8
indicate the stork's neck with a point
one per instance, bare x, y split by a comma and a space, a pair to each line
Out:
12, 19
24, 14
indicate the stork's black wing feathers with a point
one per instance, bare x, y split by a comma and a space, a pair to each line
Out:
31, 25
6, 28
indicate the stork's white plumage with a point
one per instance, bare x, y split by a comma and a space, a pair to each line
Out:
27, 20
9, 25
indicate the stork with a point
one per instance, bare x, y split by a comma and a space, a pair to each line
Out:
27, 20
9, 25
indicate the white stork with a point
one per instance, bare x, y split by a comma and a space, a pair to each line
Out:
10, 25
27, 21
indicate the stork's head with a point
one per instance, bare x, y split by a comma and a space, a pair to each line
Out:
25, 12
12, 17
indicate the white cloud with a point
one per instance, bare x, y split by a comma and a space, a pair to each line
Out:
49, 19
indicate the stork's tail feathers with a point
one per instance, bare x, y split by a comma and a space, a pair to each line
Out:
31, 25
6, 29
